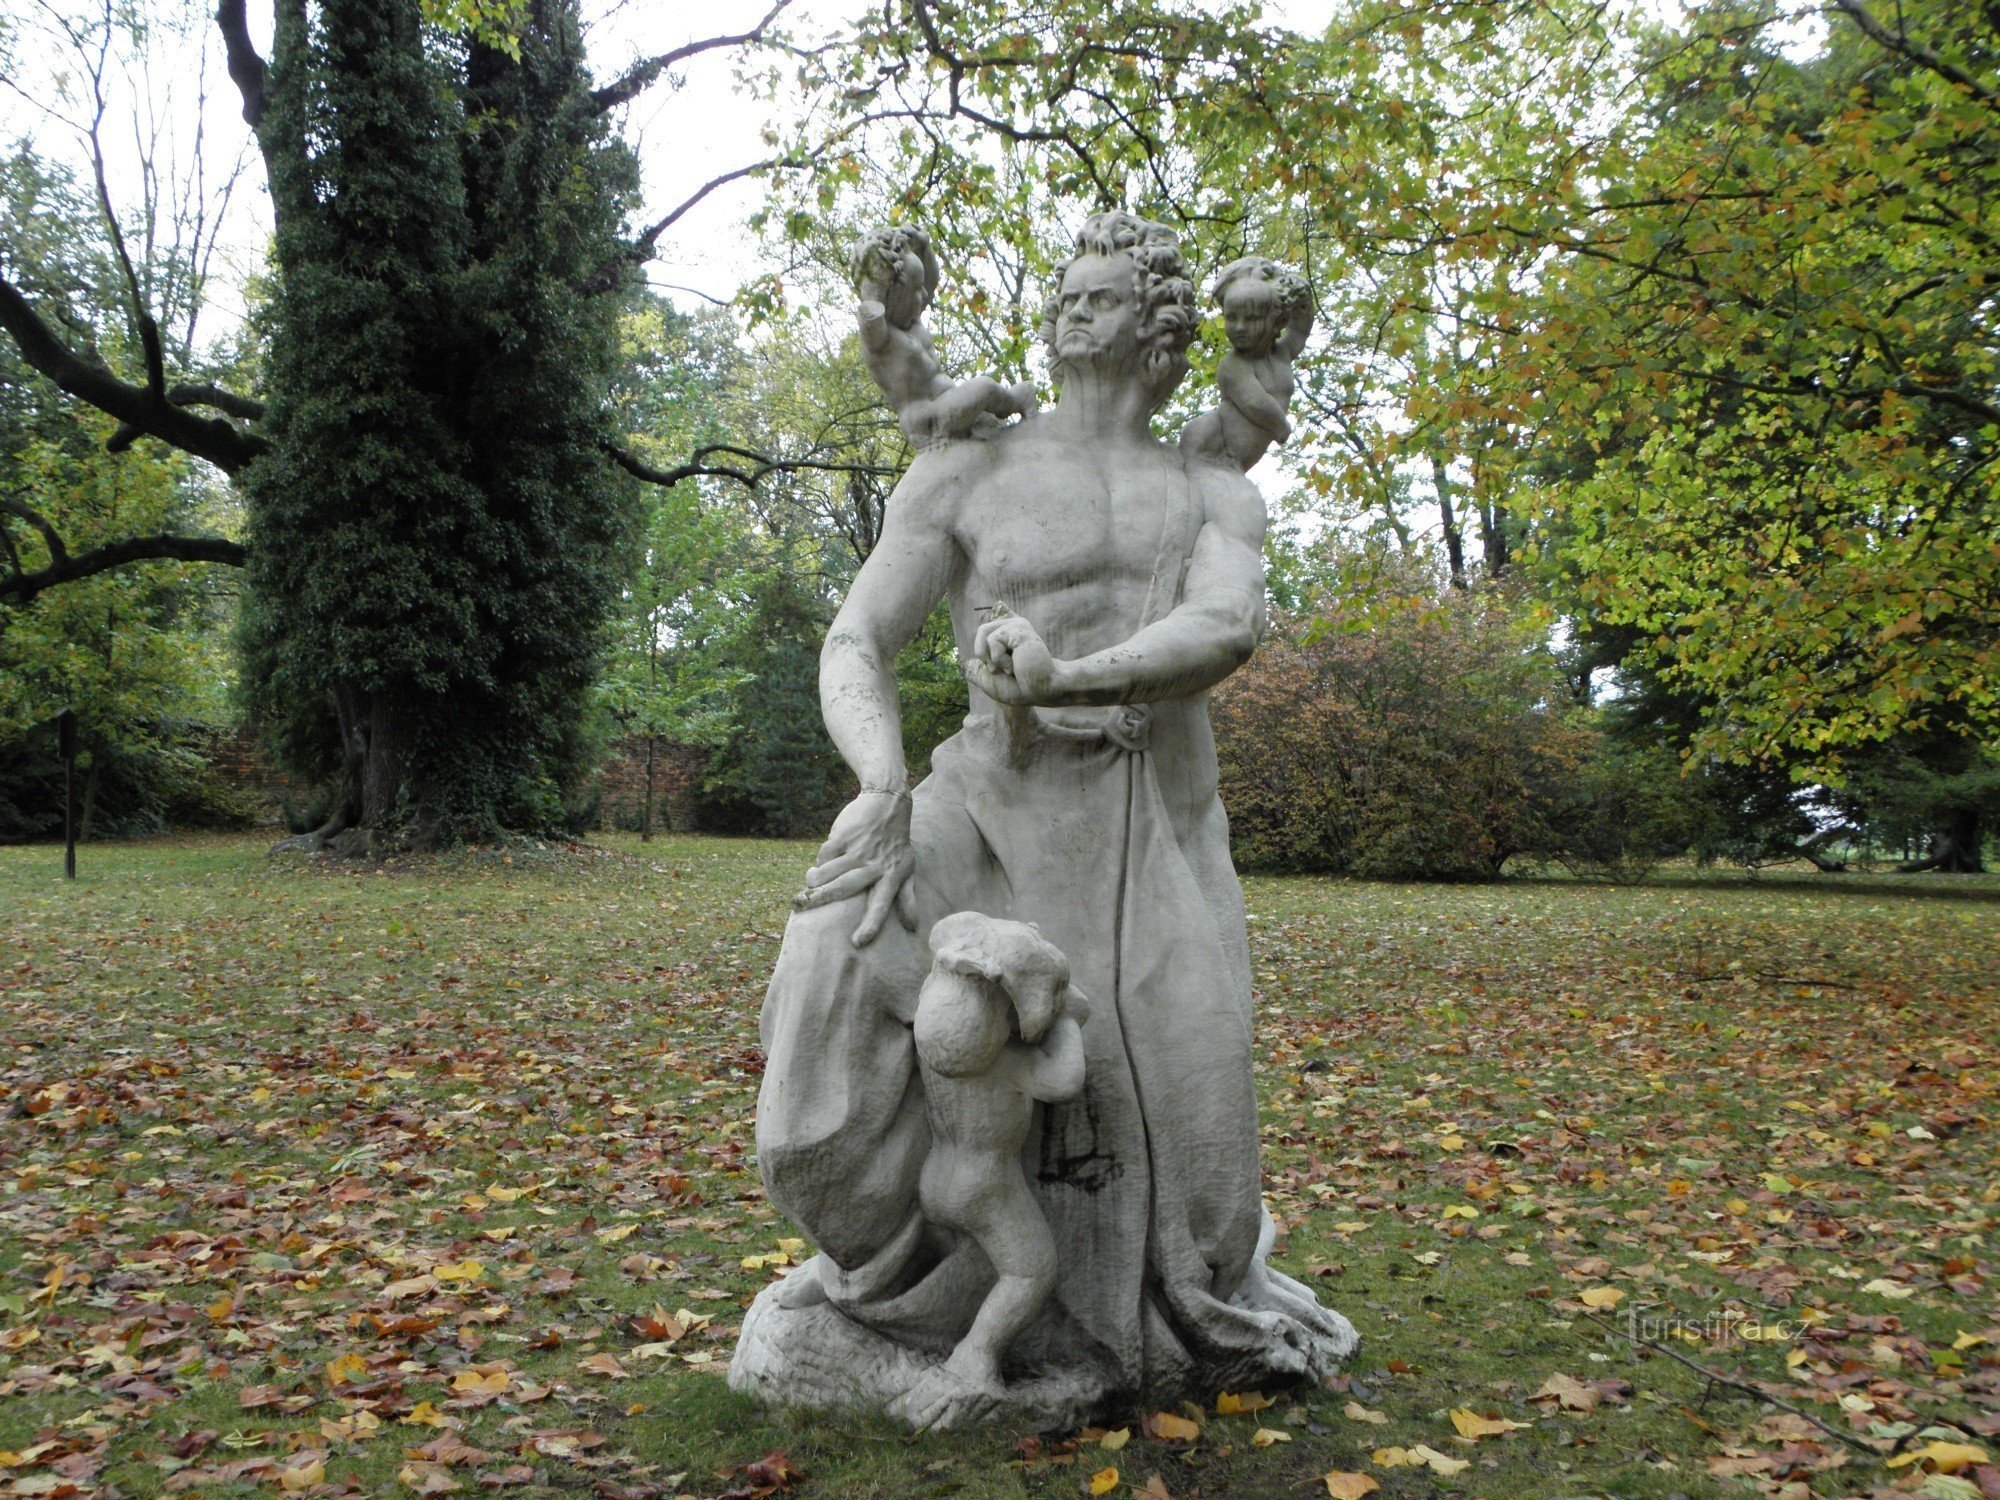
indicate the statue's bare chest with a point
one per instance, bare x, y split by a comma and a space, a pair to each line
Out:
1039, 528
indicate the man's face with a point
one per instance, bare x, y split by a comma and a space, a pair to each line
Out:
1098, 313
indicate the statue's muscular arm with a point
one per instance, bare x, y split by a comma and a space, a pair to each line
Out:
1208, 635
868, 849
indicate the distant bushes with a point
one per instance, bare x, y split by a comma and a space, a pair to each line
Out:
1405, 734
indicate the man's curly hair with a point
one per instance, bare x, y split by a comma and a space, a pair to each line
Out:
1166, 295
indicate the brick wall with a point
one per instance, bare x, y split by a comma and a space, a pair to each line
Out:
236, 760
677, 773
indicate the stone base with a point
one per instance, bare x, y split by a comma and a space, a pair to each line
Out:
814, 1356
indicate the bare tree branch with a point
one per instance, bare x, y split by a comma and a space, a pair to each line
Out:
246, 68
146, 410
642, 75
762, 465
1895, 41
58, 553
196, 393
643, 246
19, 588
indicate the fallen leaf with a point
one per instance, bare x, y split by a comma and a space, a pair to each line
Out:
1472, 1425
1941, 1457
1104, 1481
1342, 1485
1235, 1405
1602, 1297
1354, 1411
1169, 1428
1264, 1437
1569, 1393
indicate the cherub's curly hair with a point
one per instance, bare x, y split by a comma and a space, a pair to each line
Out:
1166, 295
892, 240
1291, 290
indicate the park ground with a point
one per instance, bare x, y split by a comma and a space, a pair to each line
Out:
319, 1181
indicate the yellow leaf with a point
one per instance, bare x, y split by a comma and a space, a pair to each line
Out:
1882, 1286
459, 1270
616, 1233
1438, 1462
1392, 1458
1263, 1437
1461, 1211
1342, 1485
347, 1367
1470, 1424
1116, 1439
1602, 1297
1354, 1411
1104, 1481
304, 1477
1796, 1358
1943, 1458
1969, 1341
791, 1247
220, 1309
1173, 1429
423, 1414
1234, 1404
1777, 1182
472, 1382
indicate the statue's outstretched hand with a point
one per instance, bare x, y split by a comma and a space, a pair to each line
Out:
867, 850
1011, 664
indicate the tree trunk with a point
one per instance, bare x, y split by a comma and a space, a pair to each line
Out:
646, 812
89, 815
1454, 538
1955, 848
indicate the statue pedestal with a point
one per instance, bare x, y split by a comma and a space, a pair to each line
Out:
817, 1357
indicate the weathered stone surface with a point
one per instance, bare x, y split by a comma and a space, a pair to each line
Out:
954, 1099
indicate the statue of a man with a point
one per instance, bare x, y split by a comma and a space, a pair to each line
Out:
1100, 583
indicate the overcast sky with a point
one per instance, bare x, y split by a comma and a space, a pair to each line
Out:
685, 136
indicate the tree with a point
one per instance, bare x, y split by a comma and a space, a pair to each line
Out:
137, 655
1742, 295
1398, 726
439, 520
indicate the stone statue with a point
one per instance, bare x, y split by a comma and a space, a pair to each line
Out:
896, 275
1100, 583
998, 1027
1267, 313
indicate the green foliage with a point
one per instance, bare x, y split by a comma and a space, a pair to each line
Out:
1700, 311
437, 537
138, 655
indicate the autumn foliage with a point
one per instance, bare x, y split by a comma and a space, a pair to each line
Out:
1398, 734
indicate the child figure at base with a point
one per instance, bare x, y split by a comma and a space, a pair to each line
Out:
1267, 314
998, 1028
897, 276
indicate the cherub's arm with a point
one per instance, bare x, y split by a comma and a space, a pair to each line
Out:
876, 328
1298, 328
1237, 379
1054, 1070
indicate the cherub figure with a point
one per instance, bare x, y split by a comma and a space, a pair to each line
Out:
998, 1027
897, 276
1267, 313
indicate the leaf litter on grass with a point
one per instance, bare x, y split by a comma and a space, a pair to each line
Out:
442, 1180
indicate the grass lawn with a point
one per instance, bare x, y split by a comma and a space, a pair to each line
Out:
321, 1182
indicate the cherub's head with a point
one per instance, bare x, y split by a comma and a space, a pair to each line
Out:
1258, 298
897, 260
990, 979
